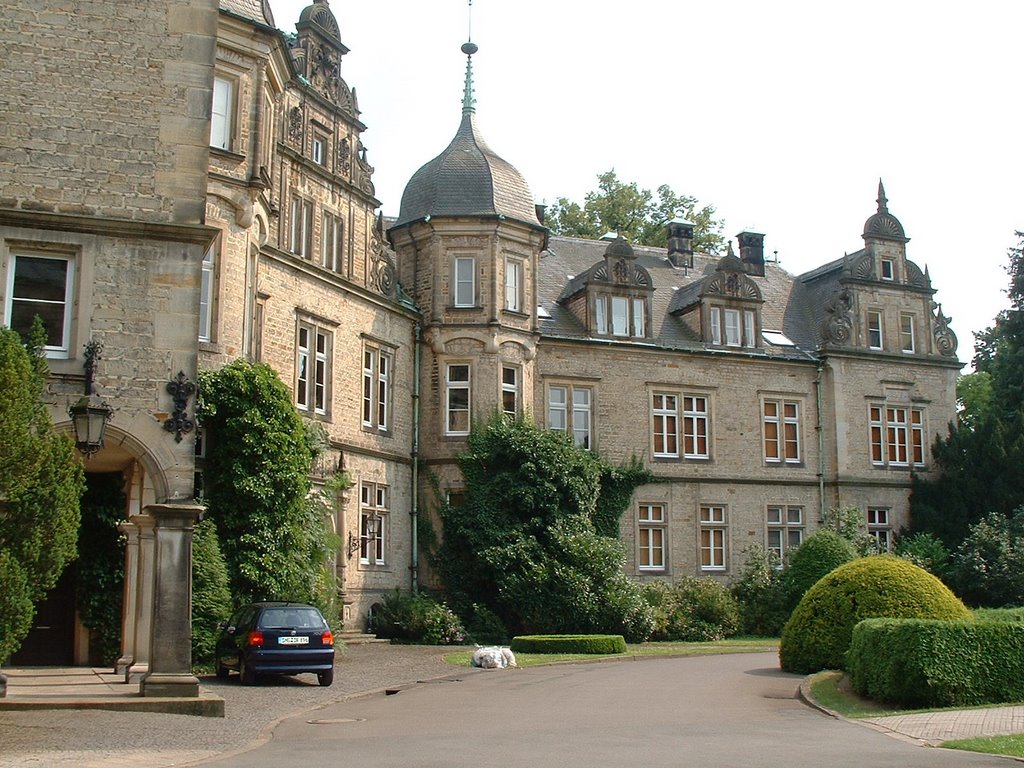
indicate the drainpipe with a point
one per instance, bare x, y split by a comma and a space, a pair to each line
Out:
414, 511
819, 367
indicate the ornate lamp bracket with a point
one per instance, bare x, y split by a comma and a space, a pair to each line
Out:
181, 389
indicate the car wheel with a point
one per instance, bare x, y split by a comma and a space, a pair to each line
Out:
245, 672
222, 671
325, 678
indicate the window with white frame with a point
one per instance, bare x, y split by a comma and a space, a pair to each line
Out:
569, 408
621, 316
373, 524
651, 529
464, 281
733, 327
888, 271
785, 525
713, 534
879, 528
514, 285
300, 241
510, 390
222, 113
41, 285
781, 421
332, 234
874, 329
318, 149
665, 414
695, 427
907, 341
207, 286
377, 379
312, 369
896, 435
457, 397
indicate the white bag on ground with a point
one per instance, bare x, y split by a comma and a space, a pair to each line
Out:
493, 657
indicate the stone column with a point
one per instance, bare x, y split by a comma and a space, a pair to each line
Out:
142, 617
170, 660
131, 589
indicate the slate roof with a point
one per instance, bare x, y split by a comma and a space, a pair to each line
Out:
467, 179
254, 10
790, 303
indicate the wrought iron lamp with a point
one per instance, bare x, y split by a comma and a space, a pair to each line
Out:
369, 534
90, 414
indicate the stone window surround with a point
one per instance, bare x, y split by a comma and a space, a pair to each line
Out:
652, 524
713, 538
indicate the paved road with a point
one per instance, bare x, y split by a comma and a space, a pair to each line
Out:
711, 711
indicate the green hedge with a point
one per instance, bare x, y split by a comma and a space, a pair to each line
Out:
818, 632
569, 644
926, 663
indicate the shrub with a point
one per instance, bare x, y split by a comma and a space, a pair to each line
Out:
1013, 615
211, 597
926, 663
759, 594
926, 551
417, 619
988, 566
821, 553
596, 644
692, 610
484, 626
818, 633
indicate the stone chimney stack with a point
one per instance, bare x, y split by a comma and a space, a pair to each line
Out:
752, 252
680, 243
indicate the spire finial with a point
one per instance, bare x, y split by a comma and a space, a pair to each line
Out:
469, 48
882, 201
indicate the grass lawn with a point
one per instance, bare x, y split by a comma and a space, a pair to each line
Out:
993, 745
733, 645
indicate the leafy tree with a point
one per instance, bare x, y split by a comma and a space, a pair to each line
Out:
211, 595
259, 456
988, 566
524, 543
637, 214
982, 458
40, 487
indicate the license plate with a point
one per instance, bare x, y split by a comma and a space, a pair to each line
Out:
293, 641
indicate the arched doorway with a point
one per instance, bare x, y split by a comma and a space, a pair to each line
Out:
81, 620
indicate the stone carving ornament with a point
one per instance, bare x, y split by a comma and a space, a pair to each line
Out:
945, 339
295, 122
838, 325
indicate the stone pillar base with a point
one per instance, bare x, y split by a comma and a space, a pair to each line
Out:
135, 673
3, 685
177, 686
122, 665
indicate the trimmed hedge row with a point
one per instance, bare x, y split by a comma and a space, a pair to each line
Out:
569, 644
928, 663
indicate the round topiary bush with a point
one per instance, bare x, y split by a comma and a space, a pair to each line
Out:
818, 632
821, 553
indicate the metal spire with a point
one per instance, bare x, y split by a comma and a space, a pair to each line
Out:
469, 48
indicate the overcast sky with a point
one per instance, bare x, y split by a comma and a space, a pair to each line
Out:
782, 115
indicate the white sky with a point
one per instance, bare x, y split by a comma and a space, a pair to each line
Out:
782, 115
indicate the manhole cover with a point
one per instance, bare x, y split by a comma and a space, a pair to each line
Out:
337, 721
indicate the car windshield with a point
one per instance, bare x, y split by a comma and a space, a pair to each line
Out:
292, 618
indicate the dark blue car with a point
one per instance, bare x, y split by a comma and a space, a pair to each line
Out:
282, 638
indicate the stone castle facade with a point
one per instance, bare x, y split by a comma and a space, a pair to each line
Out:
235, 217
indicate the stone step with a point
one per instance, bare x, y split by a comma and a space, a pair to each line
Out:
355, 637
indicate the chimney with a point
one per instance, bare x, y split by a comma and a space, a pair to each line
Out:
541, 211
752, 252
680, 243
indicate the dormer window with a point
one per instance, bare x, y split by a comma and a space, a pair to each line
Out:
732, 327
620, 316
888, 270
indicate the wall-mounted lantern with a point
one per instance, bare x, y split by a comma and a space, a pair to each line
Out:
90, 414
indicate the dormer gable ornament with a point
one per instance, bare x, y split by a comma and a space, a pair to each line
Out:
838, 325
731, 281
